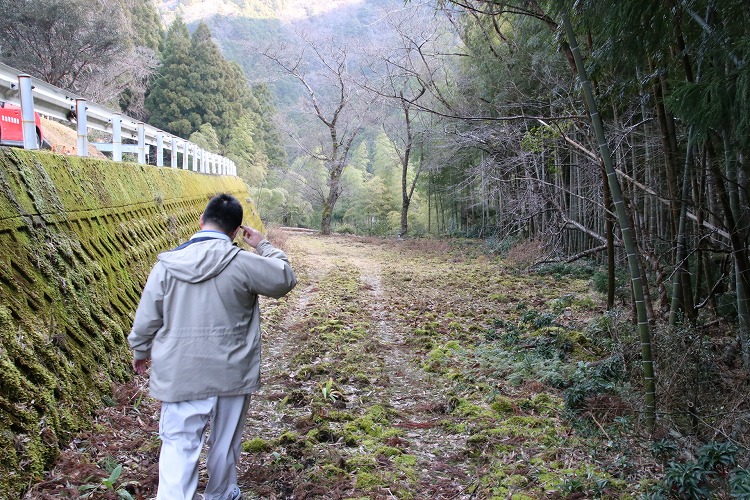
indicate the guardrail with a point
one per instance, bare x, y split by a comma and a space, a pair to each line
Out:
33, 95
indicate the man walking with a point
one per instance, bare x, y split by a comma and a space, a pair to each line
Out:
198, 323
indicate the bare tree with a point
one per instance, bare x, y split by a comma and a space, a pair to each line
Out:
402, 78
332, 98
85, 47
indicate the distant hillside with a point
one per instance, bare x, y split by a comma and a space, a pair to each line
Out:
242, 28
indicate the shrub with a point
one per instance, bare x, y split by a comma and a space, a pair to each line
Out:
500, 246
593, 378
558, 270
600, 281
525, 253
712, 474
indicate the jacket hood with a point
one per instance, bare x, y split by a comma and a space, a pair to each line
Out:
200, 260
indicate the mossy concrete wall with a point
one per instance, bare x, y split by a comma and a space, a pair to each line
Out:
77, 239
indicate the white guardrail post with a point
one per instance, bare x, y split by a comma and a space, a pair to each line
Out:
142, 143
37, 96
159, 149
28, 123
82, 127
173, 153
117, 137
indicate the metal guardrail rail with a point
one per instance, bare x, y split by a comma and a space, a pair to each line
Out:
34, 95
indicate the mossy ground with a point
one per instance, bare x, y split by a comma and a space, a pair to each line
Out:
393, 371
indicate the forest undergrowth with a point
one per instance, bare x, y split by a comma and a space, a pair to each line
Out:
424, 369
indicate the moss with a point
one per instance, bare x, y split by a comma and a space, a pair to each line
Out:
479, 439
406, 460
378, 414
543, 404
288, 437
361, 463
256, 445
323, 434
77, 240
452, 345
388, 451
364, 424
332, 472
516, 480
470, 410
368, 481
503, 405
436, 359
339, 416
453, 427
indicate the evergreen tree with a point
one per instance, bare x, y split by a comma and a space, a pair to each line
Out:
171, 107
247, 151
385, 165
197, 87
262, 105
146, 26
206, 137
361, 157
218, 89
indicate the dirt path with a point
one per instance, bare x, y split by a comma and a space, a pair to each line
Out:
403, 388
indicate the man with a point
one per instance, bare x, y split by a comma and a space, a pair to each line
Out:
198, 322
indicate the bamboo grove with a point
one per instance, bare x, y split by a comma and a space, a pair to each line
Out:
671, 85
629, 150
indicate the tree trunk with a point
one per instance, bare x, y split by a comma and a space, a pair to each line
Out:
334, 190
609, 233
734, 213
678, 293
627, 236
666, 127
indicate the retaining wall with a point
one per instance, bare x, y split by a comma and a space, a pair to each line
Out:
78, 237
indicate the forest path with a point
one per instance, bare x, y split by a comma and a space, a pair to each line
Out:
411, 396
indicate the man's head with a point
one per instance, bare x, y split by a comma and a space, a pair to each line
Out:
223, 213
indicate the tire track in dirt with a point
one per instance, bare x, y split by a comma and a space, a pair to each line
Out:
264, 419
418, 398
312, 260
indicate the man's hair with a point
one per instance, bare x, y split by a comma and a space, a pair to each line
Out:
223, 211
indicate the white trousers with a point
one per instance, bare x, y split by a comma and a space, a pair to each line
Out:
182, 429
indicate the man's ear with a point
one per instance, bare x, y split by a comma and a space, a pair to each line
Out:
200, 221
235, 232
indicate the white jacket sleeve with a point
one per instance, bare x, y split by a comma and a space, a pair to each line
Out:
271, 275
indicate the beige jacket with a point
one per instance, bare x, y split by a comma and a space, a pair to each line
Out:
199, 320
